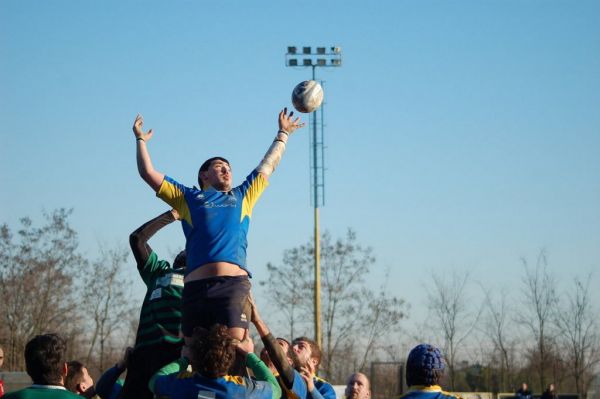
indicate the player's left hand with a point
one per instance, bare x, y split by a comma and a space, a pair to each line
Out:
307, 377
287, 124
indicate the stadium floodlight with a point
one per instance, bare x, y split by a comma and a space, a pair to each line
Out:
324, 57
292, 50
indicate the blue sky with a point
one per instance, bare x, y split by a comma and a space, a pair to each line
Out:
460, 134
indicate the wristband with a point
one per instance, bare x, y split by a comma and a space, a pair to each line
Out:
140, 138
283, 131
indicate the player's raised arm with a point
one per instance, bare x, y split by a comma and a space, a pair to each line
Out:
287, 125
144, 164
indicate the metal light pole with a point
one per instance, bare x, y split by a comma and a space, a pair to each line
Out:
322, 57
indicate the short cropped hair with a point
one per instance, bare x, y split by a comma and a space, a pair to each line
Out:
74, 375
424, 366
204, 167
213, 351
315, 351
45, 359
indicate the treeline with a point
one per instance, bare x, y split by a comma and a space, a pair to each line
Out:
47, 285
493, 338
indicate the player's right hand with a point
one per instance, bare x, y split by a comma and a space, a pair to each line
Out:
138, 131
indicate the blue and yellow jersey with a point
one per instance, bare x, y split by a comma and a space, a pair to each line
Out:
196, 386
215, 223
324, 388
298, 390
428, 392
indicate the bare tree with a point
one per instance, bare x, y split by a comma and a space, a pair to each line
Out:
36, 274
290, 288
496, 325
107, 301
540, 302
578, 327
453, 313
383, 314
350, 311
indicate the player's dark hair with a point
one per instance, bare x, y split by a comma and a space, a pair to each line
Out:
45, 358
315, 351
204, 167
213, 351
74, 375
424, 366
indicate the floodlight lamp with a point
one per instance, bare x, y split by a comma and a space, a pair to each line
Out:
336, 62
293, 62
307, 62
292, 50
306, 50
321, 61
320, 50
336, 50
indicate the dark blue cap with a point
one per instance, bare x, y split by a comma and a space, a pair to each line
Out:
423, 361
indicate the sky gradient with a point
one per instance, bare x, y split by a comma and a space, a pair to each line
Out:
460, 135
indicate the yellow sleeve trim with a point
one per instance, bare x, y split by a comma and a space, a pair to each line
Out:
235, 379
173, 196
252, 195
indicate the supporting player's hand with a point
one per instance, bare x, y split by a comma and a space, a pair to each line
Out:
175, 214
138, 131
307, 377
254, 316
246, 345
287, 124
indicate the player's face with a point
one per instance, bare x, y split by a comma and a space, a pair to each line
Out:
303, 352
357, 387
87, 383
218, 176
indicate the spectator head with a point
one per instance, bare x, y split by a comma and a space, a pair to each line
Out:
212, 351
1, 357
524, 386
45, 359
307, 353
358, 387
78, 379
424, 366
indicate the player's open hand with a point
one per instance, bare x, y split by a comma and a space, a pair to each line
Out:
287, 123
138, 131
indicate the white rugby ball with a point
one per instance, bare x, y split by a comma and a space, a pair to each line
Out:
307, 96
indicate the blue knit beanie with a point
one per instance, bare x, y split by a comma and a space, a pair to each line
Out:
424, 365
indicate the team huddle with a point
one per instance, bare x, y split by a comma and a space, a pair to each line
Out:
193, 335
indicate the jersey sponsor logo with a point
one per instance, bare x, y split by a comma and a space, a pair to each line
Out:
170, 279
243, 318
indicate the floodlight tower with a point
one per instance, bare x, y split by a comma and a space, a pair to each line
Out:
322, 57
